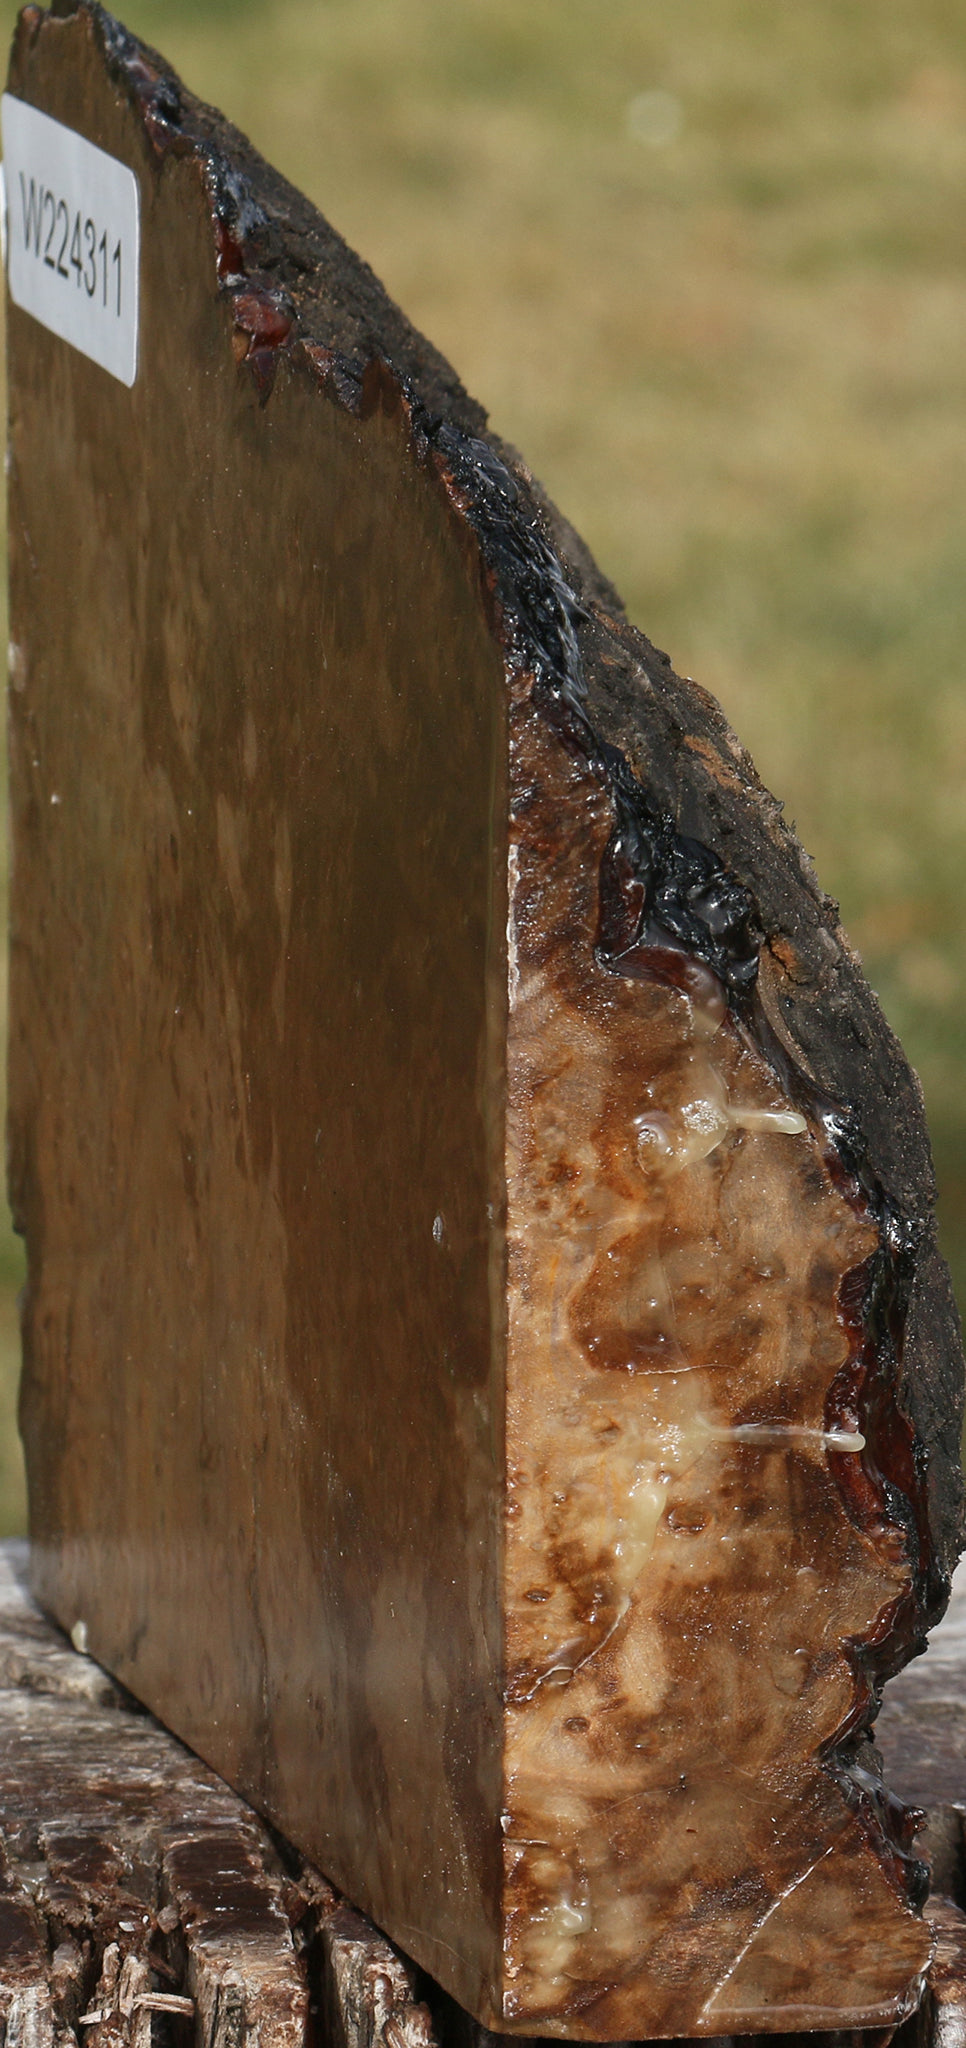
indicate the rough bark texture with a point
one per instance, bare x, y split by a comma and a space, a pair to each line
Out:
490, 1383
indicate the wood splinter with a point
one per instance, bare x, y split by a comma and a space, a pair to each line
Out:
490, 1382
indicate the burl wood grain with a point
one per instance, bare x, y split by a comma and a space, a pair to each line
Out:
683, 1577
489, 1381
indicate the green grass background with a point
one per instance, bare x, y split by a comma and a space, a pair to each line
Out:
726, 326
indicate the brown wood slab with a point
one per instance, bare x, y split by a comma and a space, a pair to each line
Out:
144, 1906
490, 1384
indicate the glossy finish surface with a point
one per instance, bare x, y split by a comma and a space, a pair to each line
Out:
683, 1576
487, 1384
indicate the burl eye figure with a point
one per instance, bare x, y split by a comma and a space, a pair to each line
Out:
491, 1385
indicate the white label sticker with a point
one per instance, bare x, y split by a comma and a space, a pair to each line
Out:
73, 219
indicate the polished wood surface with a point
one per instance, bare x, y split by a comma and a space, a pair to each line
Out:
490, 1385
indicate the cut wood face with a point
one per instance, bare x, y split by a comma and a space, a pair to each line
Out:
489, 1383
683, 1577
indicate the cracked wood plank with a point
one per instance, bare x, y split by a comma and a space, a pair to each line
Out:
369, 1989
237, 1936
26, 1998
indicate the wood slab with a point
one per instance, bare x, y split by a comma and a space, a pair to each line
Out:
143, 1905
490, 1382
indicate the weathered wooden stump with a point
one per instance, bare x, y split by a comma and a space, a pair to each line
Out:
490, 1381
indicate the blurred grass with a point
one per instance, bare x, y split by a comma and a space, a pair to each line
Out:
706, 267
